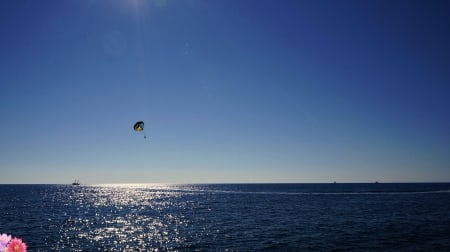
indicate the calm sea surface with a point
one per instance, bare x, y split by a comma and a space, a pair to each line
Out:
229, 217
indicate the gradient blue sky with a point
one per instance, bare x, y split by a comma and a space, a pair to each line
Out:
230, 91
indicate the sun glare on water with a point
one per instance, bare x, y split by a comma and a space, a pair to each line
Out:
121, 215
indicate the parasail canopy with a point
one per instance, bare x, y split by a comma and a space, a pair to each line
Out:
139, 126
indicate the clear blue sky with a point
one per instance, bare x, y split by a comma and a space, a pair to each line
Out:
230, 91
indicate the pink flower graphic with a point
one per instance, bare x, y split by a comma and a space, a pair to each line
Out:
16, 245
4, 239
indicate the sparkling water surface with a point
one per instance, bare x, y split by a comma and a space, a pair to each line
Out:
229, 217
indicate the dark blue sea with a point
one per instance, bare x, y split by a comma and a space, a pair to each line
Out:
229, 217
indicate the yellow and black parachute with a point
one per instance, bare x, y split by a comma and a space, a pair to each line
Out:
139, 126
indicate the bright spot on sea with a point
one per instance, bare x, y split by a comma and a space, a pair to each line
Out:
126, 216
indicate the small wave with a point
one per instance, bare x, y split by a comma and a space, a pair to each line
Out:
314, 193
194, 189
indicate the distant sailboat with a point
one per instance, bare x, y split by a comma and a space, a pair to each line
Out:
76, 182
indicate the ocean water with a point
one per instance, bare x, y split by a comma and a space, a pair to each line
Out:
229, 217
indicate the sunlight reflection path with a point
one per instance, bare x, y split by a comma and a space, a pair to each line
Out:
126, 216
